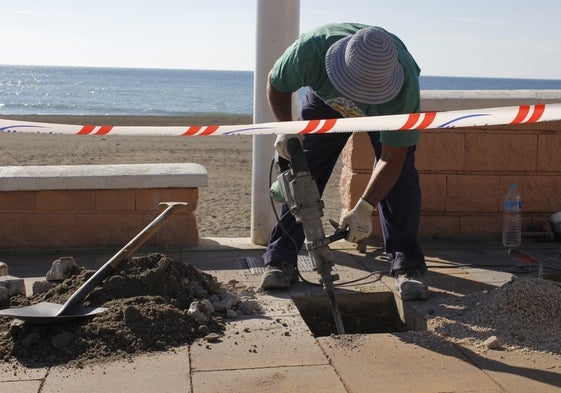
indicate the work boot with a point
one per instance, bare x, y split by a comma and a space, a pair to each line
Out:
279, 275
410, 285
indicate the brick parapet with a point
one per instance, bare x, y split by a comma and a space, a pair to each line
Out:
465, 172
98, 217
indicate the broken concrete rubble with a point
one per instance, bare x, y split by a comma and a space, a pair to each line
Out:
14, 285
3, 269
61, 269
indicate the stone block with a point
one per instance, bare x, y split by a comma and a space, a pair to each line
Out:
42, 286
472, 193
65, 200
358, 154
440, 151
548, 152
17, 200
3, 269
3, 294
61, 269
433, 192
493, 152
14, 285
115, 200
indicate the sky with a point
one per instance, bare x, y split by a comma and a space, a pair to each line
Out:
491, 38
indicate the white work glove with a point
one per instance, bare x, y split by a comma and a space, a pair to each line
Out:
358, 221
281, 144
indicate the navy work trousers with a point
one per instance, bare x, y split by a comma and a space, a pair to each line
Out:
399, 211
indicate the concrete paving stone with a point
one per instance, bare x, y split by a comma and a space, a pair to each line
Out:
303, 379
13, 372
495, 278
234, 243
392, 363
160, 372
520, 372
281, 341
20, 387
278, 304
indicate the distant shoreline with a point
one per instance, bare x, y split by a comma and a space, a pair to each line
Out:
427, 104
137, 120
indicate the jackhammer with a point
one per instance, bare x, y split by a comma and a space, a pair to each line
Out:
299, 191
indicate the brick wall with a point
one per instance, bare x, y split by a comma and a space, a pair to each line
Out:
60, 219
465, 173
75, 206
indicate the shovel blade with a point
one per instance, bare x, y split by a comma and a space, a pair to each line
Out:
45, 313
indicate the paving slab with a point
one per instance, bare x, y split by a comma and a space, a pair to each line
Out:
160, 372
275, 351
308, 379
393, 363
259, 343
20, 386
520, 372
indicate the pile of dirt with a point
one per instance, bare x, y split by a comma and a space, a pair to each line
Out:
147, 300
524, 314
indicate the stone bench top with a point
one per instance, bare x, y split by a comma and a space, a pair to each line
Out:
97, 177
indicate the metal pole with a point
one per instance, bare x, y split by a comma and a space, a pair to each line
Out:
277, 26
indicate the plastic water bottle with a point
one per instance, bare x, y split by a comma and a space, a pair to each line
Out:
512, 218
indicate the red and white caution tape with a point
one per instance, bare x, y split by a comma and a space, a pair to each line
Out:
413, 121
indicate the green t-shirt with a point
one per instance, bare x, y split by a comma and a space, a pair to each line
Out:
303, 65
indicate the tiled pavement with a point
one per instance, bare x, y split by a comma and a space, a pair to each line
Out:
276, 352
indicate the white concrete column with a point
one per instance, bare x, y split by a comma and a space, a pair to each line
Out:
278, 24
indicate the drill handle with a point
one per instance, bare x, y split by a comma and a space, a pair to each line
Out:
298, 161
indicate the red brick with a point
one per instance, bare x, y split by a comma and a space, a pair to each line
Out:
549, 152
108, 229
472, 193
539, 193
433, 192
439, 226
180, 230
440, 151
500, 152
481, 225
65, 200
115, 200
358, 154
17, 200
149, 199
36, 230
351, 187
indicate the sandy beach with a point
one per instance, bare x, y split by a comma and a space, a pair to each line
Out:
224, 206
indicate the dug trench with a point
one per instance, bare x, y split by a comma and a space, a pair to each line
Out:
361, 313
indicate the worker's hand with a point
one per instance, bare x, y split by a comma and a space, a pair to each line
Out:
281, 144
358, 221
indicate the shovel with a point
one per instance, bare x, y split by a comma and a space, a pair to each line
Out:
46, 312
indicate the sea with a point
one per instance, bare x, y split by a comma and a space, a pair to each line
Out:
48, 90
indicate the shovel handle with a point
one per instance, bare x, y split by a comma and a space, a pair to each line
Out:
125, 252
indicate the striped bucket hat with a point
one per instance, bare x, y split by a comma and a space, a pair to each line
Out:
365, 67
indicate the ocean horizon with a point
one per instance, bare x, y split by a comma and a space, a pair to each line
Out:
67, 90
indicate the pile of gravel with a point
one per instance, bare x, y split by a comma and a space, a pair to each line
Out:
153, 302
524, 314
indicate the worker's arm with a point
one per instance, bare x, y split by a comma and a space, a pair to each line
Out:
385, 173
279, 102
281, 105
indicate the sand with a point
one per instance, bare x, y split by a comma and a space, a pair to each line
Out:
224, 208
